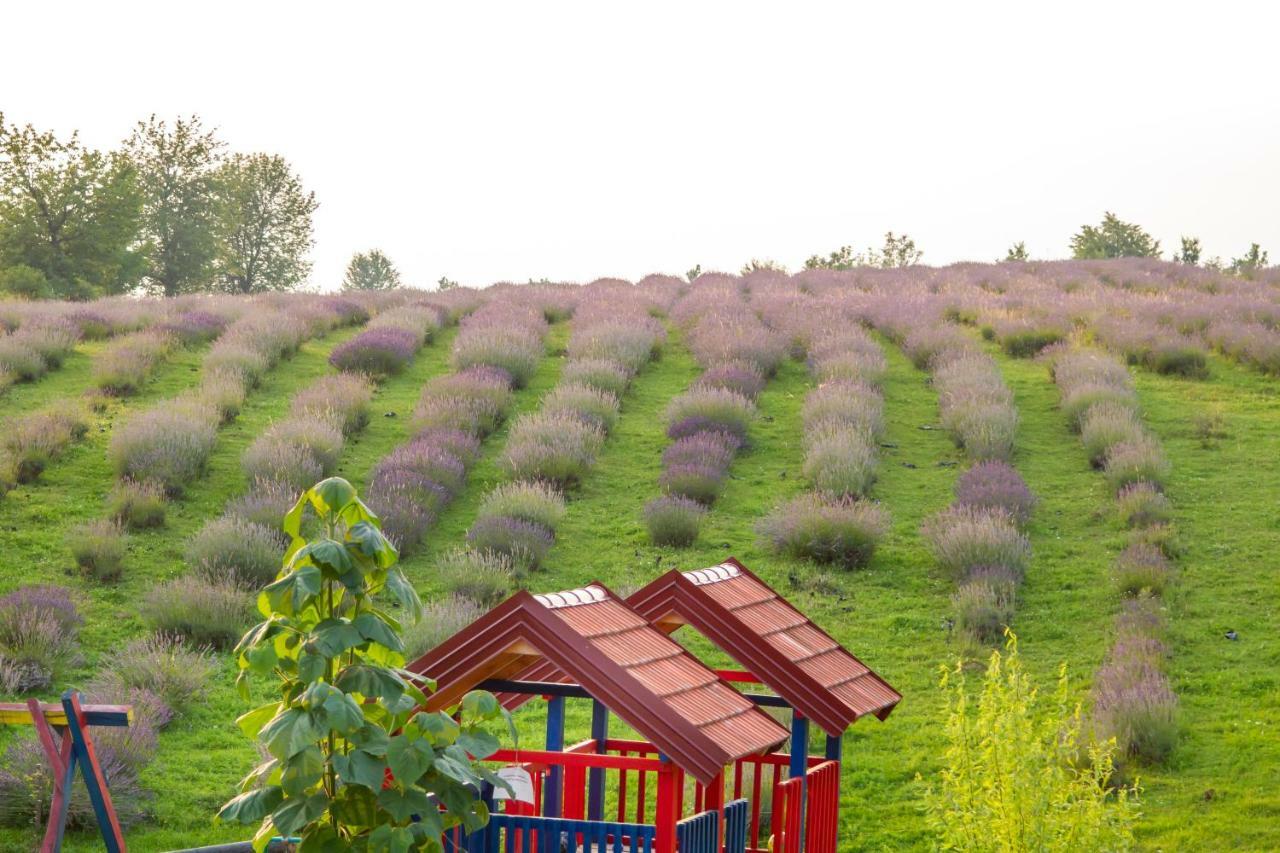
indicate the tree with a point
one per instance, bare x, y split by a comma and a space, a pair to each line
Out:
350, 760
177, 173
1113, 238
694, 272
1253, 260
897, 251
1189, 254
1016, 775
68, 214
1018, 252
371, 270
267, 225
754, 265
446, 283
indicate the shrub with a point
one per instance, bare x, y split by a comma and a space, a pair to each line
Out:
843, 532
841, 462
701, 483
137, 505
1136, 461
524, 543
343, 400
203, 611
484, 577
853, 405
514, 350
99, 548
295, 452
1209, 425
1028, 343
555, 448
715, 409
625, 341
27, 780
238, 359
38, 630
159, 664
30, 442
1178, 359
169, 444
1106, 425
1162, 536
426, 459
440, 620
194, 327
532, 502
382, 351
407, 504
600, 373
52, 339
225, 392
597, 408
740, 377
1013, 775
982, 610
265, 504
712, 449
985, 429
19, 360
996, 485
232, 549
1077, 402
674, 520
124, 365
1142, 568
1142, 505
1134, 704
963, 538
475, 401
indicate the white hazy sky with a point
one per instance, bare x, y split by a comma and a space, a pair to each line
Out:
491, 141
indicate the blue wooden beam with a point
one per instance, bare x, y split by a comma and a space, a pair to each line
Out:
554, 786
595, 776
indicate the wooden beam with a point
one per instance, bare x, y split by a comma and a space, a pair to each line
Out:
18, 714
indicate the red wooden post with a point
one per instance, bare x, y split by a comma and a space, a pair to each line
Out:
670, 784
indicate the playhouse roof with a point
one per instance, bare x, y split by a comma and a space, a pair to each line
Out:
594, 639
759, 629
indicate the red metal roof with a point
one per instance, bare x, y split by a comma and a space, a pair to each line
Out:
759, 629
590, 637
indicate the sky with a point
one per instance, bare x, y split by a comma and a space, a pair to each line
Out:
509, 141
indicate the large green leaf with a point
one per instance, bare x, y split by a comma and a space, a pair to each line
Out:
296, 812
252, 805
288, 733
370, 738
372, 544
360, 768
373, 627
438, 727
291, 593
480, 744
371, 682
251, 722
409, 758
404, 593
302, 771
404, 804
322, 838
332, 637
342, 713
328, 554
356, 807
331, 496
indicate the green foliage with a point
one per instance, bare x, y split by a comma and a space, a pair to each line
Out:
446, 283
1113, 238
1016, 775
181, 204
1189, 253
373, 270
694, 272
1253, 260
266, 224
897, 251
755, 265
1018, 252
347, 712
68, 215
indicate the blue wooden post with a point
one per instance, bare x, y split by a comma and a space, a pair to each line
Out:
835, 747
554, 786
83, 754
800, 762
595, 776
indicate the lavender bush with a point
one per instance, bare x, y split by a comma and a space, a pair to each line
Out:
201, 610
996, 485
376, 352
963, 538
554, 448
843, 532
673, 520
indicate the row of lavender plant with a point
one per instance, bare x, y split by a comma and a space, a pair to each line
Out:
979, 540
1133, 700
709, 422
550, 451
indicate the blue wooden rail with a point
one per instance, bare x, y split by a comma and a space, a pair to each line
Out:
736, 818
701, 833
527, 834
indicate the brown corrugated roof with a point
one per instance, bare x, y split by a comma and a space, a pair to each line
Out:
590, 637
759, 629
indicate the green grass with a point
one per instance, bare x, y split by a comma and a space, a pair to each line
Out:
891, 614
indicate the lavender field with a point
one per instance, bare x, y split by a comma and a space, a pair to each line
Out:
1086, 453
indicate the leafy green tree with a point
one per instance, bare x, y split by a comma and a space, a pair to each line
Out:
1017, 252
1016, 775
755, 265
1253, 260
67, 212
266, 226
177, 172
446, 283
897, 251
1189, 253
24, 281
371, 270
694, 272
1113, 238
346, 711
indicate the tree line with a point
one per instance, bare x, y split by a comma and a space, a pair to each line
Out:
170, 211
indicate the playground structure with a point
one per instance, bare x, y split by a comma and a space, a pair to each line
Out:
706, 776
63, 731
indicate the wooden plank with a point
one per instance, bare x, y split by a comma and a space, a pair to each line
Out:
18, 714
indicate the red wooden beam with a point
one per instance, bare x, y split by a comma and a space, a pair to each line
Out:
576, 759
